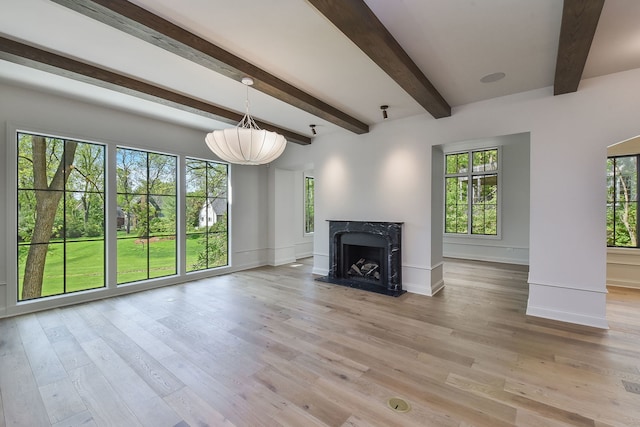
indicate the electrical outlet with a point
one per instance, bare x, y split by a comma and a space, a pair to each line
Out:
631, 387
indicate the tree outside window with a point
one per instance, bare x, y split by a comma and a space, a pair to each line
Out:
147, 203
207, 224
471, 192
622, 201
61, 212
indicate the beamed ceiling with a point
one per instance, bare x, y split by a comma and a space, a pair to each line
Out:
323, 62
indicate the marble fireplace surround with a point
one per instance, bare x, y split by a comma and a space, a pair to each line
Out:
384, 235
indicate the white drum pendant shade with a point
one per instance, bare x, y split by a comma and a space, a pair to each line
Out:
246, 145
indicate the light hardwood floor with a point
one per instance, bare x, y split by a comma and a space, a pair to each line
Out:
272, 347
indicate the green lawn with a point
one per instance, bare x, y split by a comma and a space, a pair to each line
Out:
196, 248
86, 264
85, 267
132, 258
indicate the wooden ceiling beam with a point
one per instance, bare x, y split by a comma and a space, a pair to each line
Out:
579, 23
20, 53
139, 22
360, 24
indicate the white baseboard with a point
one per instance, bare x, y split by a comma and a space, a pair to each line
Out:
301, 255
490, 253
281, 256
633, 284
320, 271
246, 266
243, 260
422, 280
320, 264
304, 250
437, 287
566, 304
563, 316
623, 267
3, 298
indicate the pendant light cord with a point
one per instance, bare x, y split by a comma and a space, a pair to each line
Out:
247, 121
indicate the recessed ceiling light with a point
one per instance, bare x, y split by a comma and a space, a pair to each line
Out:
493, 77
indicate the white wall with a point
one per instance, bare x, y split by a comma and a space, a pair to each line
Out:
385, 175
513, 245
249, 216
287, 239
281, 232
43, 112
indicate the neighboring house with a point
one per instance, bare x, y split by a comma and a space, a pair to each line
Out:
130, 218
211, 210
207, 215
120, 217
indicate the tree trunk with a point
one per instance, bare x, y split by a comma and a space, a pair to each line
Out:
47, 199
625, 213
86, 205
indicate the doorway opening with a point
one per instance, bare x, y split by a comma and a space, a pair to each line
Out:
623, 244
463, 192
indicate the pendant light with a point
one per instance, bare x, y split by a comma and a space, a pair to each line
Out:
246, 144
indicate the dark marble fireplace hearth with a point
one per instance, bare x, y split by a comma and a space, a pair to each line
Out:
366, 255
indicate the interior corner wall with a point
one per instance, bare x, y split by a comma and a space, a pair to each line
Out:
281, 208
249, 198
437, 219
38, 111
513, 245
4, 206
386, 175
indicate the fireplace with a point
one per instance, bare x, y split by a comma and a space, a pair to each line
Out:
366, 255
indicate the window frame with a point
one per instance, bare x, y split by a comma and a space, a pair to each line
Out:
637, 158
65, 240
305, 179
228, 213
9, 293
150, 196
469, 175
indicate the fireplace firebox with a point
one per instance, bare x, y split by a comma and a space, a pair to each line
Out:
366, 255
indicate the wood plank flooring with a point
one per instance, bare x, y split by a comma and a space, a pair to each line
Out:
272, 347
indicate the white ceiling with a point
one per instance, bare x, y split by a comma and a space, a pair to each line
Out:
454, 43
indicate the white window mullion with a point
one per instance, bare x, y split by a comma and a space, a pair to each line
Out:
181, 217
111, 219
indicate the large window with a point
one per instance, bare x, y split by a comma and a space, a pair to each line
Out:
622, 201
61, 211
146, 215
309, 189
207, 222
471, 192
63, 205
